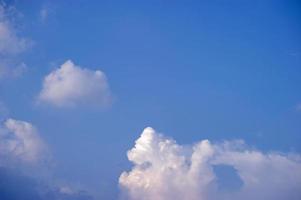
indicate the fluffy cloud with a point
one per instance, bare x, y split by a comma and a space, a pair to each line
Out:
164, 170
11, 44
19, 141
72, 85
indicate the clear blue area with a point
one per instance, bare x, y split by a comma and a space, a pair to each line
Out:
228, 179
193, 70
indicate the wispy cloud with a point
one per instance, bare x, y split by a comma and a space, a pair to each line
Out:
11, 44
47, 11
44, 12
164, 170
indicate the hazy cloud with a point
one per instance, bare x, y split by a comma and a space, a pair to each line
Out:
44, 12
11, 44
19, 186
24, 165
164, 170
72, 85
20, 141
47, 11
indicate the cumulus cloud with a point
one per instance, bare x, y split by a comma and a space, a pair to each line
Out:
164, 170
20, 141
11, 44
72, 85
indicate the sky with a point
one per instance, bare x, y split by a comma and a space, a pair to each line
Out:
150, 100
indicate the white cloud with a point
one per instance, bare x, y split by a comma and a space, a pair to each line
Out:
20, 141
164, 170
11, 44
72, 85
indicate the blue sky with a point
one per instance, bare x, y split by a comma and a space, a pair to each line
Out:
193, 70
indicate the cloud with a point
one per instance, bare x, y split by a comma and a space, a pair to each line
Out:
47, 11
44, 12
19, 186
12, 68
71, 85
164, 170
25, 164
20, 142
11, 44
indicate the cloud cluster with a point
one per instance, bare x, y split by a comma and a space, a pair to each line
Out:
164, 170
11, 44
20, 141
72, 85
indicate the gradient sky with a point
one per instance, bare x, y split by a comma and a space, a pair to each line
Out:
193, 70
